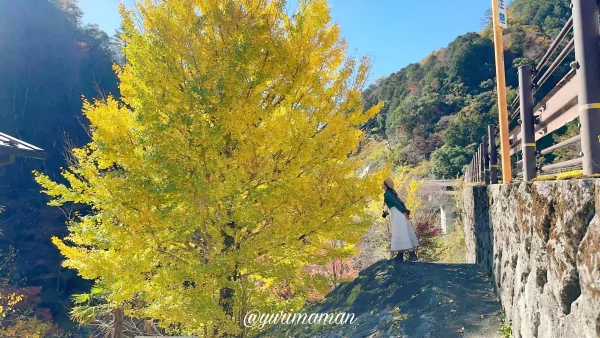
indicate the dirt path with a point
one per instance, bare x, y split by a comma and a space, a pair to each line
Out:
409, 300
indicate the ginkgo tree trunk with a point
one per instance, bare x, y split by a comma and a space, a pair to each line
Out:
226, 166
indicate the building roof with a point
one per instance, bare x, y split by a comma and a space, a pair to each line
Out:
14, 147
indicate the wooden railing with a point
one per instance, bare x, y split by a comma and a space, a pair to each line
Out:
577, 95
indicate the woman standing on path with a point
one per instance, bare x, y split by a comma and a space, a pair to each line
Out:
403, 235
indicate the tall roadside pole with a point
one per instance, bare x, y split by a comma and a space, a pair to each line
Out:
587, 56
499, 22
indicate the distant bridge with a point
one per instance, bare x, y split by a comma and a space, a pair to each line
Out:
432, 187
440, 183
432, 191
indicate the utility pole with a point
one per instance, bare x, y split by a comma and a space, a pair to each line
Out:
499, 21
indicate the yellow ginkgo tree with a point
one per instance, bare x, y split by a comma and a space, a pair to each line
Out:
225, 167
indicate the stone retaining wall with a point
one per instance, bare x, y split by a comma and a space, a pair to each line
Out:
540, 242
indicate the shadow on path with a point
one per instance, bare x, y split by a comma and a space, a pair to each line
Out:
408, 300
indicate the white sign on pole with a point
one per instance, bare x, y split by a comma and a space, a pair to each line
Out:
502, 13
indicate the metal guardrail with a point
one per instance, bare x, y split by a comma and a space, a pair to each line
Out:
559, 38
577, 95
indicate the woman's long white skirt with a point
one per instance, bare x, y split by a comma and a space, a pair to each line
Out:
403, 234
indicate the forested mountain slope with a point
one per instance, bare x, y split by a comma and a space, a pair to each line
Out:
48, 60
439, 108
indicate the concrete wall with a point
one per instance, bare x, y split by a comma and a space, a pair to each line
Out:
540, 242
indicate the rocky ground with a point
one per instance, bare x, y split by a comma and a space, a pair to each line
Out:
409, 300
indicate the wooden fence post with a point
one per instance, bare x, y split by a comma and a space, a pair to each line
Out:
527, 126
493, 153
587, 56
486, 160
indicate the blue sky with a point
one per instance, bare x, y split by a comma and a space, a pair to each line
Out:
394, 33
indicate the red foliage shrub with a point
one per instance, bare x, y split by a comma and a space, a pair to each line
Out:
427, 234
